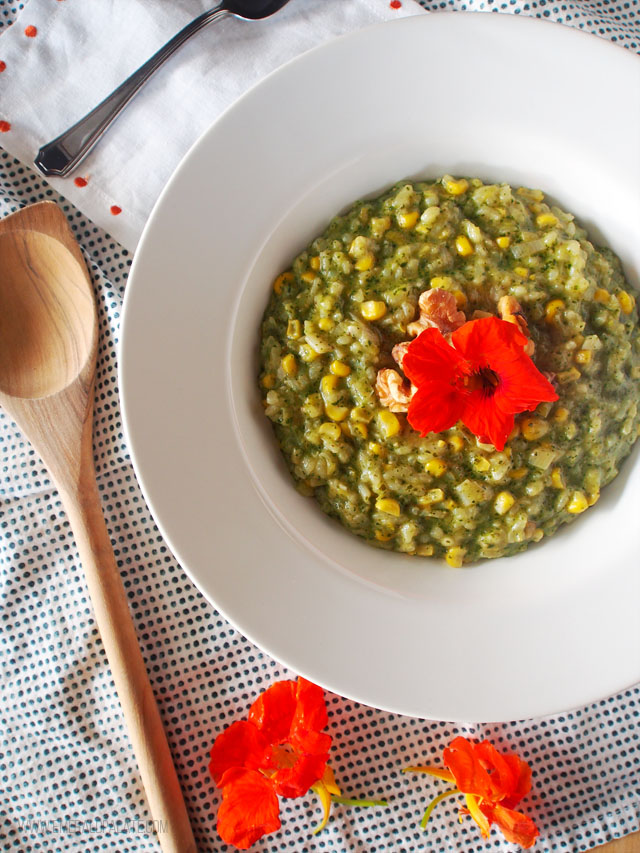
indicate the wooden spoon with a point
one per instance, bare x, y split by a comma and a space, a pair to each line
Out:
48, 347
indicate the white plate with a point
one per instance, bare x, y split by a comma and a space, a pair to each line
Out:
497, 96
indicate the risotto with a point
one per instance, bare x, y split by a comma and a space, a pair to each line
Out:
440, 254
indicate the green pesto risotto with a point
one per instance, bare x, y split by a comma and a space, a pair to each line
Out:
338, 318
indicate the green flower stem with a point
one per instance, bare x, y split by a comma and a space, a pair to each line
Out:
346, 801
434, 803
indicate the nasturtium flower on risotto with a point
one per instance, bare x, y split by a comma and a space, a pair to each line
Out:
482, 378
493, 784
279, 750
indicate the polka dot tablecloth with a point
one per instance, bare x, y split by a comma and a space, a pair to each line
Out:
68, 780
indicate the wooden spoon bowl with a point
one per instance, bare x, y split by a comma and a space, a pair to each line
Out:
46, 335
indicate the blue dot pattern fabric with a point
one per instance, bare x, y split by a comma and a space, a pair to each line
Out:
68, 778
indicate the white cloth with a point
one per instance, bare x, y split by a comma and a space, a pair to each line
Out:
82, 50
68, 778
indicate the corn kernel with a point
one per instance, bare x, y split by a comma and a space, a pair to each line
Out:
523, 272
568, 375
626, 301
518, 473
481, 464
358, 429
375, 448
360, 414
289, 364
503, 242
314, 262
455, 556
592, 497
384, 536
557, 480
325, 323
577, 503
583, 356
339, 368
560, 415
424, 550
330, 430
389, 423
268, 380
282, 279
328, 383
460, 297
546, 220
433, 496
552, 309
365, 263
336, 413
388, 506
309, 276
373, 309
503, 502
533, 428
454, 187
436, 467
294, 329
307, 353
456, 442
407, 220
601, 295
463, 246
441, 281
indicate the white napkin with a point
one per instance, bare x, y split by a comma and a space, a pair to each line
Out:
62, 58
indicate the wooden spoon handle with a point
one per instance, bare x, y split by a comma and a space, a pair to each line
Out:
129, 672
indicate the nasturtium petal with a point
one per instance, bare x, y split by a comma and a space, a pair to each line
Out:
434, 407
311, 743
295, 781
272, 712
471, 777
430, 357
487, 338
249, 808
515, 826
311, 710
486, 421
240, 745
522, 774
504, 775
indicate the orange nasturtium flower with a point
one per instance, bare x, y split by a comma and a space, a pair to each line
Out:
279, 750
482, 378
492, 783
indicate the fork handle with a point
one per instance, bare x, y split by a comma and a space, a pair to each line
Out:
65, 152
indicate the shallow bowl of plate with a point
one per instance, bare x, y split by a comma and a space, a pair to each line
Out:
499, 97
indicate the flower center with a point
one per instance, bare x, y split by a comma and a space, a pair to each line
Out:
484, 380
284, 755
